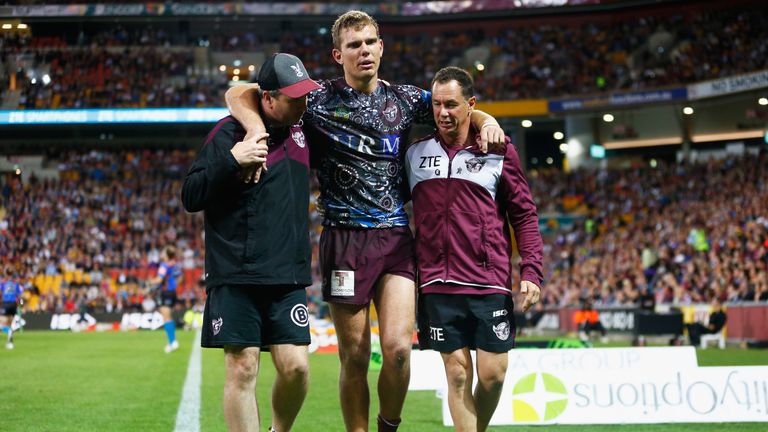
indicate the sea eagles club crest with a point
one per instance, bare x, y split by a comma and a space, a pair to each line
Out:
475, 164
298, 138
296, 68
502, 330
391, 114
217, 323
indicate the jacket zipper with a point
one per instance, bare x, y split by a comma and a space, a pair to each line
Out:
447, 215
482, 230
293, 197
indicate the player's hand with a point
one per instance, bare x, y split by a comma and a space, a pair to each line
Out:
251, 154
491, 136
532, 292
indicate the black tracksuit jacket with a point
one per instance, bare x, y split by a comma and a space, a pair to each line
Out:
255, 234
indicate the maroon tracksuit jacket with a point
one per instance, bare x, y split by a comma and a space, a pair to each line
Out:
464, 202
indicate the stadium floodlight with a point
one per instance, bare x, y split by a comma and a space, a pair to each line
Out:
763, 101
607, 118
558, 135
687, 110
526, 123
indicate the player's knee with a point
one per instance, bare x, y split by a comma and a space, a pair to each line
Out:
356, 362
294, 371
457, 370
492, 377
398, 355
242, 371
457, 375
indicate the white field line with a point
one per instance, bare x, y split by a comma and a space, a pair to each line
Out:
188, 416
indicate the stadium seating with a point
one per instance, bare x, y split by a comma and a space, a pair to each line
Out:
148, 67
102, 218
632, 235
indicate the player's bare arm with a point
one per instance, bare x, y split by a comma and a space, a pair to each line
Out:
241, 103
491, 134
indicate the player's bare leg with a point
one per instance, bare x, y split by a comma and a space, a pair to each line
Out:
291, 382
8, 324
240, 409
491, 370
170, 329
461, 404
395, 301
353, 329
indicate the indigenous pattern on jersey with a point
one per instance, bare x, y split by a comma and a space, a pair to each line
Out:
171, 274
355, 143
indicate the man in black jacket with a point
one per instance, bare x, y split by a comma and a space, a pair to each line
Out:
257, 246
717, 319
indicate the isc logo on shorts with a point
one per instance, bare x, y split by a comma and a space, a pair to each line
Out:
343, 283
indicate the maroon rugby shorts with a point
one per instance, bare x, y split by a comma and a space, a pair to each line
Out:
353, 259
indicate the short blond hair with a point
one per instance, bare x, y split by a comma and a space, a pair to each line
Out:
353, 19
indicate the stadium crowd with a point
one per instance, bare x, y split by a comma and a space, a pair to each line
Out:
91, 238
151, 67
685, 233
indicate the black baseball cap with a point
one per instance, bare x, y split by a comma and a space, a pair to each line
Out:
285, 72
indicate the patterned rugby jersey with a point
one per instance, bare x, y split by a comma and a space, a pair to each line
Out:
357, 141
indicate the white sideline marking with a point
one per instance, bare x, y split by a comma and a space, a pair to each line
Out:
188, 416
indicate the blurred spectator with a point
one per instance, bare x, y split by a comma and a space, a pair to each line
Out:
717, 319
587, 320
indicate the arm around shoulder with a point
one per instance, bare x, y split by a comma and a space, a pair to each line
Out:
491, 134
242, 103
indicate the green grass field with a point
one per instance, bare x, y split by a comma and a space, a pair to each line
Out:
125, 382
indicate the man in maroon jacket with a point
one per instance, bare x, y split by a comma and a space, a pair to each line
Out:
463, 202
